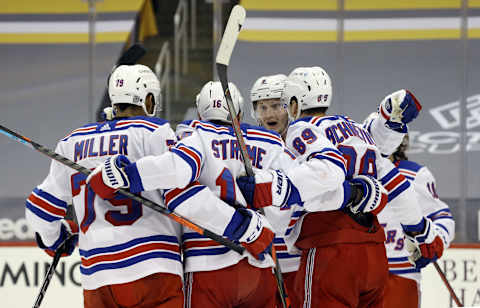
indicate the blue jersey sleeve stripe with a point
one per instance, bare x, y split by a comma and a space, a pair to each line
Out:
397, 191
111, 130
331, 150
406, 271
189, 160
50, 198
172, 205
443, 227
286, 255
206, 252
389, 176
235, 222
191, 236
414, 228
179, 145
398, 259
436, 212
337, 162
272, 141
442, 217
38, 212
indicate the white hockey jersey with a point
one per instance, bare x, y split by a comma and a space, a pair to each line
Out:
352, 148
210, 154
119, 240
431, 206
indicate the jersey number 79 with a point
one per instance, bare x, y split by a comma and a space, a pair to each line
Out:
115, 217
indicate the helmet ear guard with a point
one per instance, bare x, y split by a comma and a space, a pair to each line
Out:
294, 89
132, 84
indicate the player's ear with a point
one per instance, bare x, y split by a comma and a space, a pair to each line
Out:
293, 106
149, 103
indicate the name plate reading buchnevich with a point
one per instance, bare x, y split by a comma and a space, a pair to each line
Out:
22, 270
462, 269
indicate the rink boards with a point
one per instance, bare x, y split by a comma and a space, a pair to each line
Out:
22, 267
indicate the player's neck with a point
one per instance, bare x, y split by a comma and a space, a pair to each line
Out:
129, 113
312, 114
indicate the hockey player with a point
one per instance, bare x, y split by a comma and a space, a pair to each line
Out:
210, 153
403, 287
216, 276
130, 255
270, 112
333, 237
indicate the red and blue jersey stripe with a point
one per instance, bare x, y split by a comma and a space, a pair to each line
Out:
250, 132
281, 249
175, 197
316, 120
293, 220
408, 168
332, 155
400, 265
441, 215
395, 183
191, 156
148, 123
129, 253
195, 244
46, 206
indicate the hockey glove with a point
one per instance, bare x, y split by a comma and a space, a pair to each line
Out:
424, 247
254, 233
268, 187
68, 233
368, 195
398, 109
115, 173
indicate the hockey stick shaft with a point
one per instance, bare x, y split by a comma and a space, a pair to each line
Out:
49, 274
150, 204
234, 25
447, 284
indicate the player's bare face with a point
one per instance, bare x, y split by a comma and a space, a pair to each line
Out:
272, 114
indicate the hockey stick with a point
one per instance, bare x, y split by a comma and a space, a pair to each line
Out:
233, 28
447, 284
50, 271
150, 204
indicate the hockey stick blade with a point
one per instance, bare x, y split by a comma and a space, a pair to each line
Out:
234, 25
225, 50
